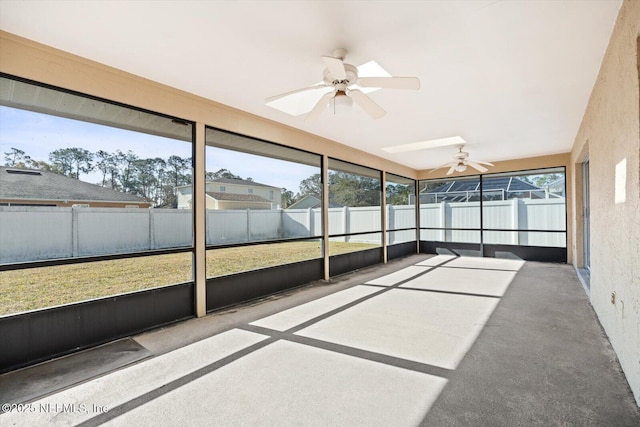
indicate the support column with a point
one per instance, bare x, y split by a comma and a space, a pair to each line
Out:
325, 215
515, 220
383, 215
199, 226
416, 190
481, 218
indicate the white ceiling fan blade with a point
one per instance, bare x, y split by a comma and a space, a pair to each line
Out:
452, 168
476, 166
367, 104
282, 95
335, 66
317, 110
411, 83
483, 163
443, 166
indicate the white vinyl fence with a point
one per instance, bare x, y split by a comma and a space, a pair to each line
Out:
38, 233
522, 214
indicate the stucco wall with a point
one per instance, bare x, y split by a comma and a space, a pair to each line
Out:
610, 135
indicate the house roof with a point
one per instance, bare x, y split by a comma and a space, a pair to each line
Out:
311, 201
240, 182
32, 184
498, 183
236, 182
306, 202
230, 197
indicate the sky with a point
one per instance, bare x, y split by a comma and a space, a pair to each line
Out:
38, 134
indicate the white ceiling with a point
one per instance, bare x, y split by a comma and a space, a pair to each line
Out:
511, 77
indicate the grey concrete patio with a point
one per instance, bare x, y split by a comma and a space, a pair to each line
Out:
424, 340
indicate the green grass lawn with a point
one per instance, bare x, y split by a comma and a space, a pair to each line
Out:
33, 288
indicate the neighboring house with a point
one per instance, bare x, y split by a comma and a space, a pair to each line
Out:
229, 193
31, 187
306, 202
310, 201
498, 188
557, 187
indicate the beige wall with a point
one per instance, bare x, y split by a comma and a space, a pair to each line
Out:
610, 136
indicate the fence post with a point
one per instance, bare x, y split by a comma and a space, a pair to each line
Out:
152, 226
74, 231
310, 223
443, 221
390, 222
515, 220
345, 222
248, 225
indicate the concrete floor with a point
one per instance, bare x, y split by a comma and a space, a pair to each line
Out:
426, 340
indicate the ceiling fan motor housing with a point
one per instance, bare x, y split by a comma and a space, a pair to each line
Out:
461, 155
352, 77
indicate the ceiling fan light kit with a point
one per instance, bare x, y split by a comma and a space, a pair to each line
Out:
341, 103
343, 79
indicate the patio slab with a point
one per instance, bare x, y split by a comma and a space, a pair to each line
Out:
382, 346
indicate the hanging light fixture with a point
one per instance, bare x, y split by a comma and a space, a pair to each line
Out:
461, 167
341, 102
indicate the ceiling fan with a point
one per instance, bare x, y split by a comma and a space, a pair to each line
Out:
461, 161
343, 79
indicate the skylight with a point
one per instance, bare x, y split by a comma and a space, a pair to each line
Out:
24, 172
422, 145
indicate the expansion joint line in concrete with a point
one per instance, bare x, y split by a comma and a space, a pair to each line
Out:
352, 351
173, 385
271, 337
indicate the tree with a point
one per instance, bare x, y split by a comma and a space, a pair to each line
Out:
353, 190
42, 165
72, 161
107, 163
178, 174
126, 167
311, 186
62, 160
221, 173
398, 194
144, 178
288, 198
15, 157
541, 181
177, 166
